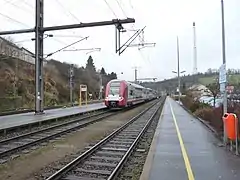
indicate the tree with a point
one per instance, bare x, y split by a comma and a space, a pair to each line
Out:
215, 89
90, 65
183, 87
112, 76
103, 72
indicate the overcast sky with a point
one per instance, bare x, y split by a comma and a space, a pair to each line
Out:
164, 20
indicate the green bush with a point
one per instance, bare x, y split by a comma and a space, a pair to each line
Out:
205, 112
192, 104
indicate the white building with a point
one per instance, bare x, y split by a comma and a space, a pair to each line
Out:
9, 49
200, 90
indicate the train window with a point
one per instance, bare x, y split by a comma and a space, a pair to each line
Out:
131, 92
115, 84
114, 90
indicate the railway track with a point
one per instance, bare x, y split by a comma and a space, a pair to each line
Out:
17, 131
11, 148
18, 143
105, 159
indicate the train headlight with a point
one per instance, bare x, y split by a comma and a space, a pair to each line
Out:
120, 98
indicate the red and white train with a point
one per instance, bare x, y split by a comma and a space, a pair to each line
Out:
121, 93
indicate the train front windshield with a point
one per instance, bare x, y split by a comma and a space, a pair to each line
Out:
114, 88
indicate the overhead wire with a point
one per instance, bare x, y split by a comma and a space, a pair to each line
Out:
18, 7
115, 13
121, 8
111, 9
7, 17
130, 3
71, 14
50, 54
28, 4
14, 20
8, 1
140, 52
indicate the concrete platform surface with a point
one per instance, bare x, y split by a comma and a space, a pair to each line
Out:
184, 149
27, 118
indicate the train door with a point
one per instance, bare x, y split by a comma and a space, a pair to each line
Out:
125, 95
130, 94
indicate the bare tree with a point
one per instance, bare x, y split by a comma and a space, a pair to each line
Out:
215, 89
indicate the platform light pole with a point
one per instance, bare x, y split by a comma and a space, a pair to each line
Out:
194, 50
224, 63
179, 83
178, 71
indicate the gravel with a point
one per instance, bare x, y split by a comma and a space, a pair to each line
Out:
48, 159
15, 146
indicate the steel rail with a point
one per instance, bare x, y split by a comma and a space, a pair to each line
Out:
38, 136
59, 174
45, 137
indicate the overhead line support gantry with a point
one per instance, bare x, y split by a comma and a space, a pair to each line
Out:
39, 33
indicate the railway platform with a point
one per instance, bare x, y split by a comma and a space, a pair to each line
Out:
16, 120
185, 149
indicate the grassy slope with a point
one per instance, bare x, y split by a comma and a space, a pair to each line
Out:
233, 79
170, 85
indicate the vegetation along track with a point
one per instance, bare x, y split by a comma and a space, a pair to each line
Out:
21, 142
106, 158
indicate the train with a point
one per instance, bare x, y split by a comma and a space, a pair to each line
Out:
121, 93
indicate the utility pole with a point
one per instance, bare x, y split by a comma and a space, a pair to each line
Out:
135, 74
100, 90
71, 73
178, 72
39, 77
15, 88
39, 32
224, 63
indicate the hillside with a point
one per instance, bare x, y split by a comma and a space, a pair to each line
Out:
233, 79
206, 78
56, 87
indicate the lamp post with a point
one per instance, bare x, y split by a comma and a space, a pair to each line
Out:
178, 70
224, 62
179, 84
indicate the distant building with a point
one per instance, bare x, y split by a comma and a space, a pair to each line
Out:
9, 49
199, 90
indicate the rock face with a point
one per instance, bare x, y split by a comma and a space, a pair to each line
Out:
17, 83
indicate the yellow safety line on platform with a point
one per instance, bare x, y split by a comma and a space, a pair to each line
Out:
184, 152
